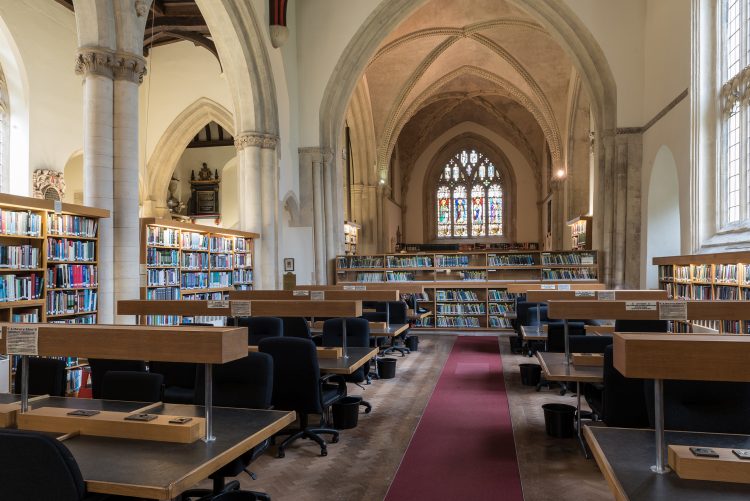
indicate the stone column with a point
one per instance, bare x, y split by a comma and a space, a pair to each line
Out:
319, 230
128, 73
269, 174
95, 65
249, 194
333, 229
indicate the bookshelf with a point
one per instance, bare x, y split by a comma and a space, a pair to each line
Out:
189, 261
466, 306
580, 232
484, 267
351, 237
719, 276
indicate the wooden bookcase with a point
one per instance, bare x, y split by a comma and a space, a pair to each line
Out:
580, 232
351, 238
482, 267
466, 306
720, 276
191, 261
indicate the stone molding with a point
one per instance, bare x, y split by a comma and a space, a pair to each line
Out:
256, 140
44, 179
318, 154
110, 64
141, 7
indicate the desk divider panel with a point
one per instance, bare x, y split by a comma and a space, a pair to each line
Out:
329, 295
542, 296
300, 308
629, 310
402, 287
524, 288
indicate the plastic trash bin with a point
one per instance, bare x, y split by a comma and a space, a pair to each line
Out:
412, 342
387, 368
531, 374
558, 419
516, 344
346, 413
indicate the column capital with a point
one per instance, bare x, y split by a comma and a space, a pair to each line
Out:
94, 61
255, 139
317, 153
127, 66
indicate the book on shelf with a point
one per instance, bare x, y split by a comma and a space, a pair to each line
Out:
20, 288
162, 257
702, 273
194, 241
409, 262
71, 302
499, 322
163, 293
726, 273
500, 260
194, 280
455, 295
399, 276
69, 225
161, 277
457, 261
568, 274
20, 223
82, 319
369, 277
442, 321
72, 276
66, 249
727, 292
568, 258
163, 237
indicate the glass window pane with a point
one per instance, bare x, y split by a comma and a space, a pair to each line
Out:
443, 212
460, 217
477, 211
495, 210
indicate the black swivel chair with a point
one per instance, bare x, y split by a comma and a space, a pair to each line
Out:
101, 366
132, 386
46, 377
357, 335
260, 328
245, 383
37, 466
298, 386
397, 314
298, 327
179, 381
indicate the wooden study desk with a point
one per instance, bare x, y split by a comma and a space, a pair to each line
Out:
554, 368
358, 356
412, 315
622, 454
391, 330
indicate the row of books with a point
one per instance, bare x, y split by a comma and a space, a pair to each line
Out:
369, 277
500, 295
460, 260
163, 277
510, 260
499, 322
205, 296
162, 320
163, 293
243, 260
221, 261
455, 295
399, 276
457, 321
567, 258
69, 302
220, 279
682, 273
19, 256
194, 280
165, 237
474, 275
409, 262
71, 276
64, 249
194, 241
21, 223
727, 293
221, 244
726, 273
702, 292
500, 308
194, 260
572, 274
83, 319
31, 316
73, 226
162, 257
360, 262
242, 245
242, 276
461, 308
20, 288
702, 272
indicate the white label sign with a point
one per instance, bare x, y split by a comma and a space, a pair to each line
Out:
585, 294
640, 305
563, 287
220, 303
360, 288
349, 288
317, 295
300, 293
587, 259
240, 308
58, 206
672, 310
548, 287
23, 340
605, 295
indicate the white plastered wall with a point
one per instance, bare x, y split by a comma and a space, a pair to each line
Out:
38, 44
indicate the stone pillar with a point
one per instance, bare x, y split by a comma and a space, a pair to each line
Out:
269, 174
249, 193
319, 229
128, 73
95, 65
333, 207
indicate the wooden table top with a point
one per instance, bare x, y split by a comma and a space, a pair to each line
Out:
533, 333
358, 356
412, 315
391, 331
163, 470
625, 456
554, 369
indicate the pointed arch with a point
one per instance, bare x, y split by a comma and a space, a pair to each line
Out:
173, 142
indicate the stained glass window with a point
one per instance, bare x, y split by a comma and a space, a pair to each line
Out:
469, 197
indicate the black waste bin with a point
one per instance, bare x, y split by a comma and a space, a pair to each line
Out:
412, 342
558, 419
530, 374
346, 413
516, 344
387, 368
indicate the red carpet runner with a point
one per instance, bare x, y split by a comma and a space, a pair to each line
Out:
463, 446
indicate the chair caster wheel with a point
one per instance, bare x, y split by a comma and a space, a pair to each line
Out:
335, 440
324, 452
280, 454
367, 410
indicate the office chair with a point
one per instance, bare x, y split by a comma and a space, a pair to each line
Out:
40, 467
132, 386
357, 335
259, 328
556, 335
179, 380
100, 366
397, 311
298, 386
245, 383
298, 327
46, 377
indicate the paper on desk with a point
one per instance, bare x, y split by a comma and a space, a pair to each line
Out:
23, 340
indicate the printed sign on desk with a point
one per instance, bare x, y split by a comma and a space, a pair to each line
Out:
640, 305
240, 308
23, 340
216, 304
563, 287
585, 294
317, 295
548, 287
605, 295
301, 293
672, 310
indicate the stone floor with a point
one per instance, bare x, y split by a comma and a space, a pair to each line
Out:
362, 465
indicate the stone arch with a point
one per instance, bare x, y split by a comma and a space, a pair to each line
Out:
438, 160
172, 143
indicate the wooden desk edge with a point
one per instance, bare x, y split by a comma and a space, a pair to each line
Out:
601, 459
582, 378
352, 368
202, 472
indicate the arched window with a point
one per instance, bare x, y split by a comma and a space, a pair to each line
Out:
469, 197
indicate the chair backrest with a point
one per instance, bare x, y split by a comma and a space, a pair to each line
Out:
180, 374
590, 344
624, 403
260, 328
244, 383
132, 386
296, 327
46, 377
374, 316
522, 310
357, 332
641, 325
556, 335
100, 366
531, 315
36, 466
296, 374
397, 312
